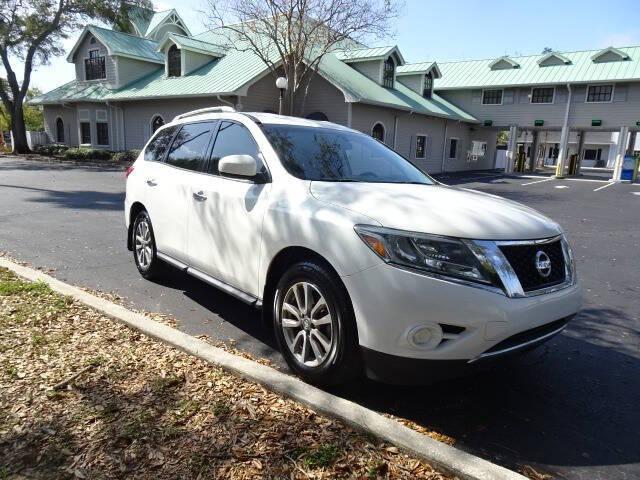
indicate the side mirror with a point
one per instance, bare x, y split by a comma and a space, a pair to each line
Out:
238, 165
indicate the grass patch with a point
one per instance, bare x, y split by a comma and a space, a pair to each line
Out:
321, 457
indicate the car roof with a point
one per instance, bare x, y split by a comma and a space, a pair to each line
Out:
262, 117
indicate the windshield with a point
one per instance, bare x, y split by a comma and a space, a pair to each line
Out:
330, 155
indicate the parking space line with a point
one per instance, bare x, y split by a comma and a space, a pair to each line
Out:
538, 181
605, 186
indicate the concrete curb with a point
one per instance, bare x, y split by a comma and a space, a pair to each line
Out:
446, 458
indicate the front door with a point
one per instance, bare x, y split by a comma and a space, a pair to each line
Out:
225, 224
168, 184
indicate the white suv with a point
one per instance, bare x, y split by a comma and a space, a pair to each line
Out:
363, 262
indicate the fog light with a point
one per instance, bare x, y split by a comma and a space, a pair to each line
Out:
425, 337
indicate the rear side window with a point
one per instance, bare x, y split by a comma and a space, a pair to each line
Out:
190, 146
234, 139
157, 147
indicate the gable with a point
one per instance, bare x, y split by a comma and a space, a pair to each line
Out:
553, 59
503, 63
610, 55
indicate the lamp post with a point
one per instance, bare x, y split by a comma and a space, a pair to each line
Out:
281, 84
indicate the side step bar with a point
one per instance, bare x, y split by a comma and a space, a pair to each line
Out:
214, 282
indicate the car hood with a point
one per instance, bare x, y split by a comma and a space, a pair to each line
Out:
438, 210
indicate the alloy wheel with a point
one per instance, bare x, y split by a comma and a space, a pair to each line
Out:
307, 324
143, 244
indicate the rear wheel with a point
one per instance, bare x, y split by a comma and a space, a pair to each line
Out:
315, 326
144, 247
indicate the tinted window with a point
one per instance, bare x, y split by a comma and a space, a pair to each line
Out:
157, 148
234, 139
190, 146
330, 155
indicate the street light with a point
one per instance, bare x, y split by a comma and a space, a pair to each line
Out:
281, 84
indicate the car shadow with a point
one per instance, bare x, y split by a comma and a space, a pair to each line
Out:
73, 199
531, 409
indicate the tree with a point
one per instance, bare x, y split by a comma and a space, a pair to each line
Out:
546, 50
33, 117
292, 36
30, 33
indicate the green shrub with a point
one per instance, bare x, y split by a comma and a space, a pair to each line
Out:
125, 156
51, 149
87, 154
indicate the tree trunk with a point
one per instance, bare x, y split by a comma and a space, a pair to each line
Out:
20, 144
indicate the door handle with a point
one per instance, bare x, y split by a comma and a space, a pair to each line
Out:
152, 182
200, 196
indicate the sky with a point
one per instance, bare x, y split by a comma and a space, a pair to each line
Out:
458, 29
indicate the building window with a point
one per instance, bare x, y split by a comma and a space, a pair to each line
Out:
593, 154
102, 132
453, 148
492, 97
388, 73
94, 66
542, 95
421, 146
174, 65
156, 123
378, 132
599, 93
59, 130
428, 85
85, 133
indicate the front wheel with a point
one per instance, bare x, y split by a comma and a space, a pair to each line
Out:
144, 247
315, 326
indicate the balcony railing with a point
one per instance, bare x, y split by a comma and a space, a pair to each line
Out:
94, 68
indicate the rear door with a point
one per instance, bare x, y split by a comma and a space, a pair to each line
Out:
170, 186
225, 225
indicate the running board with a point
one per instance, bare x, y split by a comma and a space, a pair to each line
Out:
214, 282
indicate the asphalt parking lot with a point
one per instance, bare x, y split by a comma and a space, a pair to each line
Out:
569, 408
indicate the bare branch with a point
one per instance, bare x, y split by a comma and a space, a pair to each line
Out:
294, 36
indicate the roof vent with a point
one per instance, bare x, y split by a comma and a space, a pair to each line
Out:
503, 63
610, 54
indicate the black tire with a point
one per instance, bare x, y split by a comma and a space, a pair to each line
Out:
153, 267
343, 360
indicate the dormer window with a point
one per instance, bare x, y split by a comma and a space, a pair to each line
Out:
94, 66
428, 85
174, 62
388, 73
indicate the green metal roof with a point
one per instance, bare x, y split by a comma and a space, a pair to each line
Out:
364, 54
414, 68
237, 69
582, 69
157, 19
123, 44
360, 88
73, 91
192, 44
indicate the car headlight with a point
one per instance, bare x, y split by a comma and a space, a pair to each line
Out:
433, 254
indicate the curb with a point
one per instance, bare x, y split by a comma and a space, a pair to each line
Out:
442, 456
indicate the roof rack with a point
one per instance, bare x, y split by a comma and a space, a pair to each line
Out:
204, 110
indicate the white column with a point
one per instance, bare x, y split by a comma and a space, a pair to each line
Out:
563, 152
512, 144
621, 149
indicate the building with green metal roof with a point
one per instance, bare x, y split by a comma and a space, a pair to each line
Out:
442, 116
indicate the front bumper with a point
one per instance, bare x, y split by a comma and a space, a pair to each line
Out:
390, 303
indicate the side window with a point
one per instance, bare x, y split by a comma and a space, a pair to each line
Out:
190, 146
157, 147
234, 139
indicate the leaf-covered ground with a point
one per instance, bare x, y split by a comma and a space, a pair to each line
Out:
140, 409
